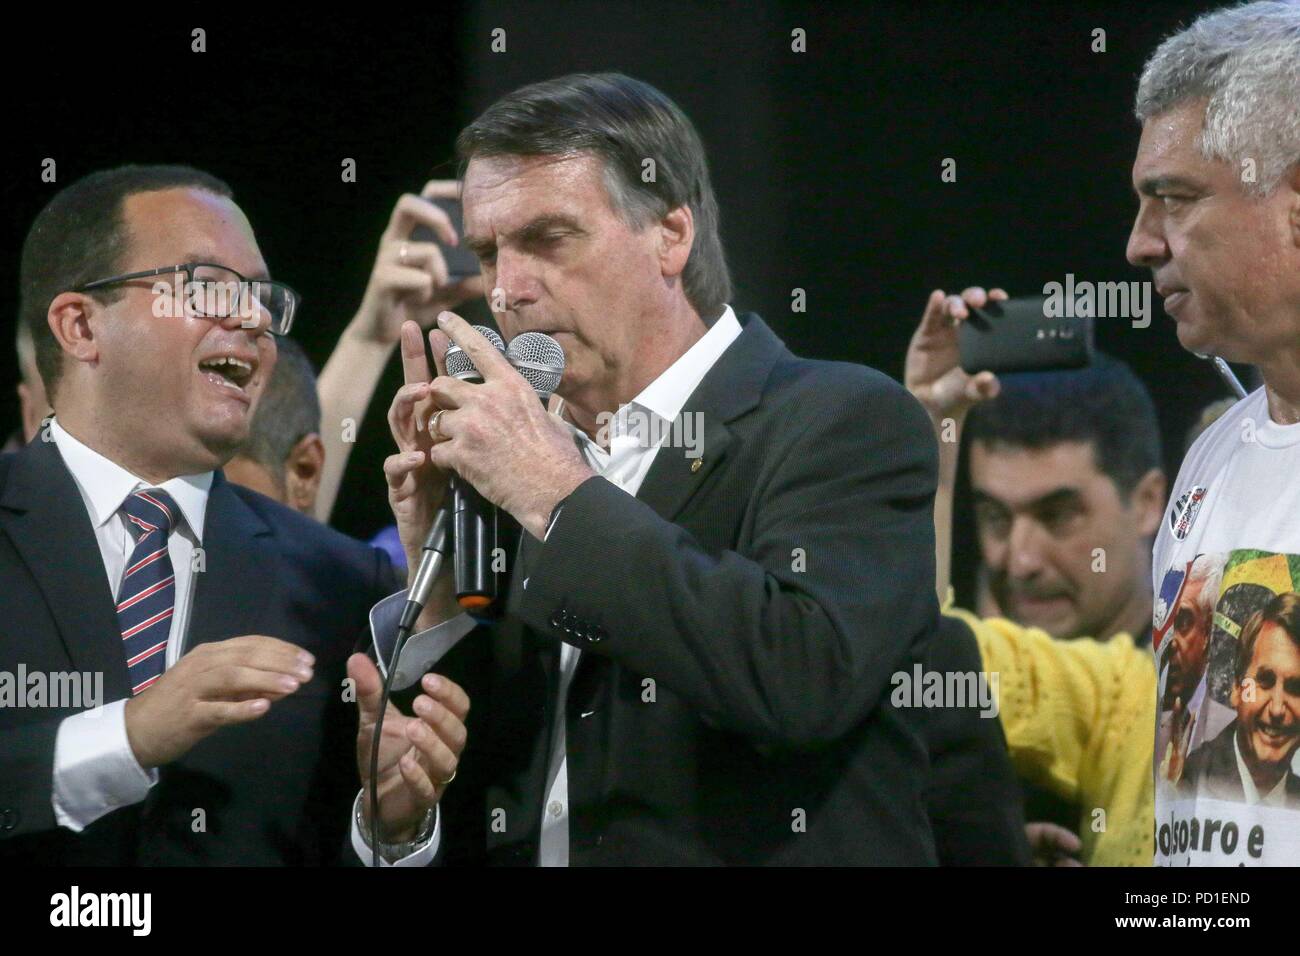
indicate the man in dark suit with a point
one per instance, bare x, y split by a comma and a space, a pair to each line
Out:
726, 550
973, 797
203, 627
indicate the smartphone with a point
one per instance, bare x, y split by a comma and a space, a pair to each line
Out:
461, 263
1017, 335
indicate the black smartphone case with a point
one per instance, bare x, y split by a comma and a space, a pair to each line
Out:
1016, 336
461, 263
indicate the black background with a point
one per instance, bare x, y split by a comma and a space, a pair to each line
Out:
826, 163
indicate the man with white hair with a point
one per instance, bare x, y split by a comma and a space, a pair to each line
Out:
1217, 173
1189, 714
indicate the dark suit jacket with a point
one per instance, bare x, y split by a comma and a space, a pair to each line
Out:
973, 797
739, 621
1212, 767
273, 791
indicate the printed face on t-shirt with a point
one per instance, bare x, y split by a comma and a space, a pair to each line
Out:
1191, 636
1268, 705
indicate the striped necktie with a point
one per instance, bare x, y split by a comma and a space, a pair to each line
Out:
146, 597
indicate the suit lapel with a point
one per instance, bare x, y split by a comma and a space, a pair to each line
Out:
240, 573
43, 513
732, 387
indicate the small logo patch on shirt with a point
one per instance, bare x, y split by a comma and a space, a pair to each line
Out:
1185, 510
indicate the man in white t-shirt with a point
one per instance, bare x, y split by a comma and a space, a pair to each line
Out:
1218, 176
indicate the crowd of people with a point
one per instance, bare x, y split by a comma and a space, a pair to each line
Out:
1142, 636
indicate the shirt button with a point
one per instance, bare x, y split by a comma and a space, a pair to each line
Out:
556, 808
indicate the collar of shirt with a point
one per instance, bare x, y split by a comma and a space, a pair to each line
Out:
666, 395
106, 484
1274, 798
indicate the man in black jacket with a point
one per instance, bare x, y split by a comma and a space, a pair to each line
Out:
181, 640
726, 550
976, 810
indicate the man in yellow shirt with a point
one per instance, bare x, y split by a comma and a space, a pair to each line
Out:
1077, 713
1078, 718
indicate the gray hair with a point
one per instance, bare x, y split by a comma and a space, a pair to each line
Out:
624, 122
1245, 62
1207, 568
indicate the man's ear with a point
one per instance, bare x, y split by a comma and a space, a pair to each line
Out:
1147, 501
302, 473
69, 319
676, 236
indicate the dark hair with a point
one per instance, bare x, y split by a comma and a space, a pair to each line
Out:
1284, 611
624, 122
1104, 405
80, 236
288, 411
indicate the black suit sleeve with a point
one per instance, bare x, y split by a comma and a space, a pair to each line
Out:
972, 796
786, 657
27, 778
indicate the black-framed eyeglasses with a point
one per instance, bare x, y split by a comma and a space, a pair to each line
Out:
219, 292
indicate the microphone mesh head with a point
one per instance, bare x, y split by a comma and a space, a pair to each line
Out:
539, 359
459, 364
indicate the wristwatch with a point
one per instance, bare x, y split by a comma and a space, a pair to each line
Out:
397, 851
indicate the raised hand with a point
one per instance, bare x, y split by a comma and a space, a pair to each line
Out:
215, 685
418, 755
933, 372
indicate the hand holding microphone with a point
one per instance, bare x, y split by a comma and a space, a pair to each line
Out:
497, 436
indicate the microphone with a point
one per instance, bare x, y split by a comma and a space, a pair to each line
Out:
474, 518
458, 363
1229, 377
539, 359
432, 554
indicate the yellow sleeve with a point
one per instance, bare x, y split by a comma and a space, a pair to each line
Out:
1079, 718
1049, 695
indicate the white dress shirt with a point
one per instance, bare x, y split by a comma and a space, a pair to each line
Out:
632, 450
95, 771
1274, 798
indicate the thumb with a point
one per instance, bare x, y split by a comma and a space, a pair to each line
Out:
370, 686
983, 387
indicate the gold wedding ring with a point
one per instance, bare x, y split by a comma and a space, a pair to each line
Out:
434, 429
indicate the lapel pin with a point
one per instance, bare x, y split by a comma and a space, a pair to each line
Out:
696, 465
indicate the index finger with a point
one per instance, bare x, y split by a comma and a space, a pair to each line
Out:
441, 189
262, 653
412, 211
448, 693
490, 363
934, 318
264, 642
415, 364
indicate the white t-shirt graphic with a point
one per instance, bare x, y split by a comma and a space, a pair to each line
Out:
1226, 639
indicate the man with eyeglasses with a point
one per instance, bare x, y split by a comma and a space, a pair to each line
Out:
175, 643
